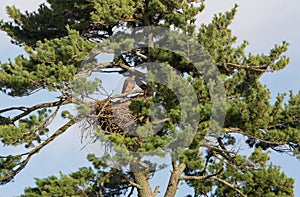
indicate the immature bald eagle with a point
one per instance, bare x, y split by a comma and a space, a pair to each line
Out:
129, 84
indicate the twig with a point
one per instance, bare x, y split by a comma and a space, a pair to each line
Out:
229, 185
156, 190
131, 191
201, 177
238, 130
262, 68
13, 108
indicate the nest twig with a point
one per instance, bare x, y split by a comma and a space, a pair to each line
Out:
115, 117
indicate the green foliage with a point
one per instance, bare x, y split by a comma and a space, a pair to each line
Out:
48, 22
259, 180
84, 182
29, 130
57, 39
52, 65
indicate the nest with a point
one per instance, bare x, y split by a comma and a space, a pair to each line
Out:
115, 117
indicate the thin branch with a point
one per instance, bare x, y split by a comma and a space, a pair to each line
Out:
134, 184
242, 167
202, 177
58, 132
284, 125
130, 181
97, 67
229, 185
46, 121
13, 108
131, 191
193, 177
126, 93
141, 55
238, 130
49, 119
214, 176
262, 68
156, 190
161, 121
132, 70
109, 71
39, 106
208, 145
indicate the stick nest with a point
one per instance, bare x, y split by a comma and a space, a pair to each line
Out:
115, 117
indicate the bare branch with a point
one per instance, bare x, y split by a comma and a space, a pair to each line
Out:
156, 190
132, 70
134, 184
131, 191
141, 55
126, 93
13, 108
193, 177
201, 177
229, 185
40, 106
208, 145
214, 176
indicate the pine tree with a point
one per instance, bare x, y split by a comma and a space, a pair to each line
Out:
62, 40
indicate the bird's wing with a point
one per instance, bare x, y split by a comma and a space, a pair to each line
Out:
125, 85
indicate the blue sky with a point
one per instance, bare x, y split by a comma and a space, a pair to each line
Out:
262, 23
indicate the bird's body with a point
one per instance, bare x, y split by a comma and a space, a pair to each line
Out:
128, 85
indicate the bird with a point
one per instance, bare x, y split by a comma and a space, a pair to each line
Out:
128, 85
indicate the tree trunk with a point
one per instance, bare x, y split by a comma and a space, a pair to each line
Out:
174, 179
144, 189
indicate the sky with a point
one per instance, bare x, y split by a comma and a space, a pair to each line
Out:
261, 22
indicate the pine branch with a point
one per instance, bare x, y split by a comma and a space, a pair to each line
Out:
13, 108
238, 130
214, 176
28, 110
46, 121
23, 164
262, 68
